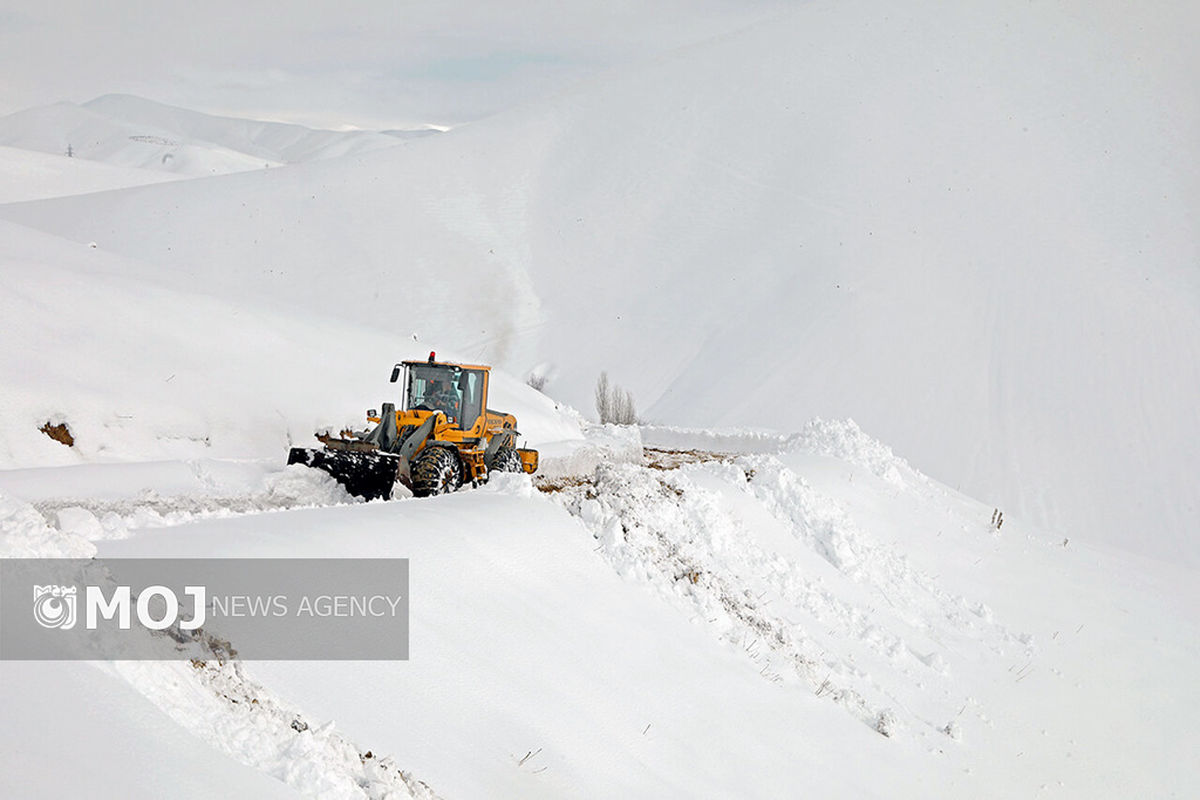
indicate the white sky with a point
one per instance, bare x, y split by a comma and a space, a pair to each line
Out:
370, 63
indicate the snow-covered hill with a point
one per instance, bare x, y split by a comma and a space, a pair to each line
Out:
29, 175
139, 370
897, 217
129, 131
970, 228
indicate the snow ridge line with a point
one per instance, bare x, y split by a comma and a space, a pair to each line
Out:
836, 438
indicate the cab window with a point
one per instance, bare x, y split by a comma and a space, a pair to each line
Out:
471, 385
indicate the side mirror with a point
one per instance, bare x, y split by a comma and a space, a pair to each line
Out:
395, 374
372, 413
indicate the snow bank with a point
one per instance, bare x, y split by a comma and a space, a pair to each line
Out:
76, 729
843, 439
25, 534
295, 486
536, 671
724, 440
752, 578
602, 444
220, 705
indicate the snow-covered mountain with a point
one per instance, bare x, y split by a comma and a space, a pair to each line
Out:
969, 228
129, 131
904, 222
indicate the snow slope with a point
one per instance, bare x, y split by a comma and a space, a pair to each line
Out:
971, 229
756, 625
27, 175
142, 371
79, 730
130, 131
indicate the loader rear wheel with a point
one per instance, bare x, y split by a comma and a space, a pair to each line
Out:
436, 470
507, 460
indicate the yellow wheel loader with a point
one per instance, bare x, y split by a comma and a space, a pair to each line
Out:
442, 436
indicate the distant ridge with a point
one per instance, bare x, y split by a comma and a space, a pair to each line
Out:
129, 131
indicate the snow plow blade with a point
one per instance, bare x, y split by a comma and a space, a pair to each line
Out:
368, 474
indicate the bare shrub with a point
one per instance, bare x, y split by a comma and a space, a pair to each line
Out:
614, 404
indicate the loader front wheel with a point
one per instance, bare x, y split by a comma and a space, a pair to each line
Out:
436, 470
506, 460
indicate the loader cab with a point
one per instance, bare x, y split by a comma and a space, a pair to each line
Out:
460, 392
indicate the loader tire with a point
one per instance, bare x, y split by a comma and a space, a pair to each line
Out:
507, 460
436, 470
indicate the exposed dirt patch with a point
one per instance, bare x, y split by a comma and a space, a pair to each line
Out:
673, 459
59, 433
552, 485
654, 457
